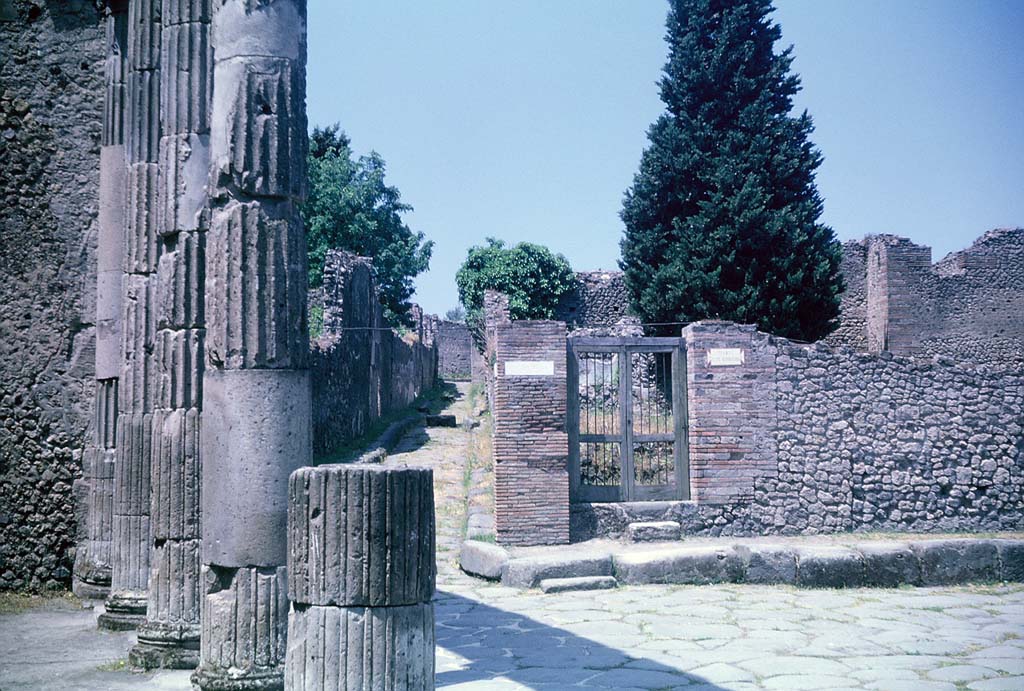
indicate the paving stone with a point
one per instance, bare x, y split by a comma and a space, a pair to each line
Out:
1000, 684
799, 682
919, 685
565, 585
795, 665
961, 673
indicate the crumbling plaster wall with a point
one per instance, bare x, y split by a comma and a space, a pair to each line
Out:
51, 86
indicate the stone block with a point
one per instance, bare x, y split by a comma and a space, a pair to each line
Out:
186, 11
483, 559
132, 480
887, 564
696, 565
176, 475
244, 628
361, 535
567, 585
111, 219
144, 26
259, 148
826, 566
256, 287
653, 531
439, 421
255, 433
174, 591
179, 359
1011, 560
528, 572
242, 28
108, 324
131, 542
767, 564
357, 647
137, 383
187, 71
184, 170
142, 117
951, 562
181, 284
106, 411
141, 246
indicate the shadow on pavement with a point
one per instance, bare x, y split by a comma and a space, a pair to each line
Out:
500, 644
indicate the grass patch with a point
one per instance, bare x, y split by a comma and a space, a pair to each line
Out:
489, 537
18, 603
113, 666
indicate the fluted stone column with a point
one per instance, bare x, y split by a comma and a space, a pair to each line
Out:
126, 606
169, 637
256, 392
361, 574
92, 563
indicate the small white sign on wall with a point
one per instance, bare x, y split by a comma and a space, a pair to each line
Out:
725, 357
530, 368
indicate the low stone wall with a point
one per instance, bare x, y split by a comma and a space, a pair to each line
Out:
361, 369
806, 439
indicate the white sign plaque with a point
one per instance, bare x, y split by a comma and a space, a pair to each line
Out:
725, 357
530, 368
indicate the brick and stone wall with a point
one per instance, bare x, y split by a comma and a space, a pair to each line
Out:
361, 368
455, 350
51, 86
807, 439
600, 299
531, 452
967, 306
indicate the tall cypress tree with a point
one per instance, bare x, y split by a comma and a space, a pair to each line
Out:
722, 217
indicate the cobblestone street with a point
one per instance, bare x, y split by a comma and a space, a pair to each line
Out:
649, 637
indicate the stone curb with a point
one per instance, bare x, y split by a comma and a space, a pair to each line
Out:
377, 452
867, 564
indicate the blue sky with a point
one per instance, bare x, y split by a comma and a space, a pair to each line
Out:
525, 120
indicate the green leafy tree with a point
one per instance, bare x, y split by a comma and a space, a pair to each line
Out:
722, 217
350, 207
534, 279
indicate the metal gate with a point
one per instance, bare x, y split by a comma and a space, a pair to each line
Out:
627, 419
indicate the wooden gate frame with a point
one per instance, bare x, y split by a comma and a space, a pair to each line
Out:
627, 490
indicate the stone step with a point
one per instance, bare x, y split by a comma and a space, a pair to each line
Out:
443, 420
565, 585
653, 531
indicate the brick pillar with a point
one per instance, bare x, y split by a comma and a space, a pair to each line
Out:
92, 563
531, 447
732, 411
256, 390
897, 274
126, 606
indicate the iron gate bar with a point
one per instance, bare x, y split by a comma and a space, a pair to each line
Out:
625, 438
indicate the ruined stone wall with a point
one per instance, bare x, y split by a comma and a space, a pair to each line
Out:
599, 306
361, 368
455, 350
830, 440
967, 306
51, 86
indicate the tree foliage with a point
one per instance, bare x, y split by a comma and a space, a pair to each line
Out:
534, 279
350, 207
722, 217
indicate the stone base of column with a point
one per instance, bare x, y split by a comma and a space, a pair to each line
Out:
125, 612
368, 647
166, 646
221, 680
87, 590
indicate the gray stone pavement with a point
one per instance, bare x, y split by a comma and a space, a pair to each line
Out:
723, 637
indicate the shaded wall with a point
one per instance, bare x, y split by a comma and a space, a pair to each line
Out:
361, 368
51, 87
